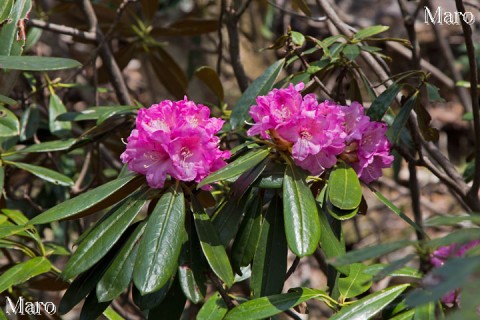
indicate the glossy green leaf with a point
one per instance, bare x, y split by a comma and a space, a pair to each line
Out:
33, 36
12, 39
84, 284
229, 216
260, 86
9, 230
450, 220
88, 201
192, 268
356, 283
369, 31
105, 234
5, 9
340, 214
92, 308
37, 63
118, 275
243, 183
55, 108
298, 39
210, 77
377, 268
452, 275
371, 252
370, 305
425, 312
213, 309
302, 225
44, 173
245, 243
212, 247
7, 100
9, 125
95, 113
171, 307
401, 119
239, 166
161, 244
344, 190
407, 315
265, 307
29, 122
23, 271
381, 104
270, 261
49, 146
351, 51
150, 300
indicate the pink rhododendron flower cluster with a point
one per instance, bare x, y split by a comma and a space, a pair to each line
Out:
174, 138
442, 254
320, 133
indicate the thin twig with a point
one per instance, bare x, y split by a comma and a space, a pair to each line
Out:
293, 13
57, 28
472, 60
114, 72
77, 187
218, 285
292, 268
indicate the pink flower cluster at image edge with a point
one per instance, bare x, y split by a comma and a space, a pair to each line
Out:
320, 133
174, 138
442, 254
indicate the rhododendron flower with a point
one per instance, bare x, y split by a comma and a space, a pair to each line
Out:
317, 134
176, 139
442, 254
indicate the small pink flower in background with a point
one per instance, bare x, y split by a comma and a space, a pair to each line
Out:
317, 134
442, 254
176, 139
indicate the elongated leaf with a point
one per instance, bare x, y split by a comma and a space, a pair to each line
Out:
369, 31
8, 230
213, 309
49, 146
105, 234
36, 63
381, 104
29, 122
171, 307
2, 181
408, 315
425, 312
375, 269
451, 220
458, 236
370, 305
192, 268
356, 283
302, 225
118, 275
55, 108
243, 183
150, 300
169, 73
9, 125
270, 260
92, 308
211, 246
161, 244
210, 77
95, 113
265, 307
344, 190
7, 100
258, 87
93, 201
44, 173
245, 243
12, 33
24, 271
351, 51
369, 252
401, 119
5, 9
239, 166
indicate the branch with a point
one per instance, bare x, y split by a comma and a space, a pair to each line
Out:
234, 47
292, 268
467, 31
85, 35
218, 285
114, 72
